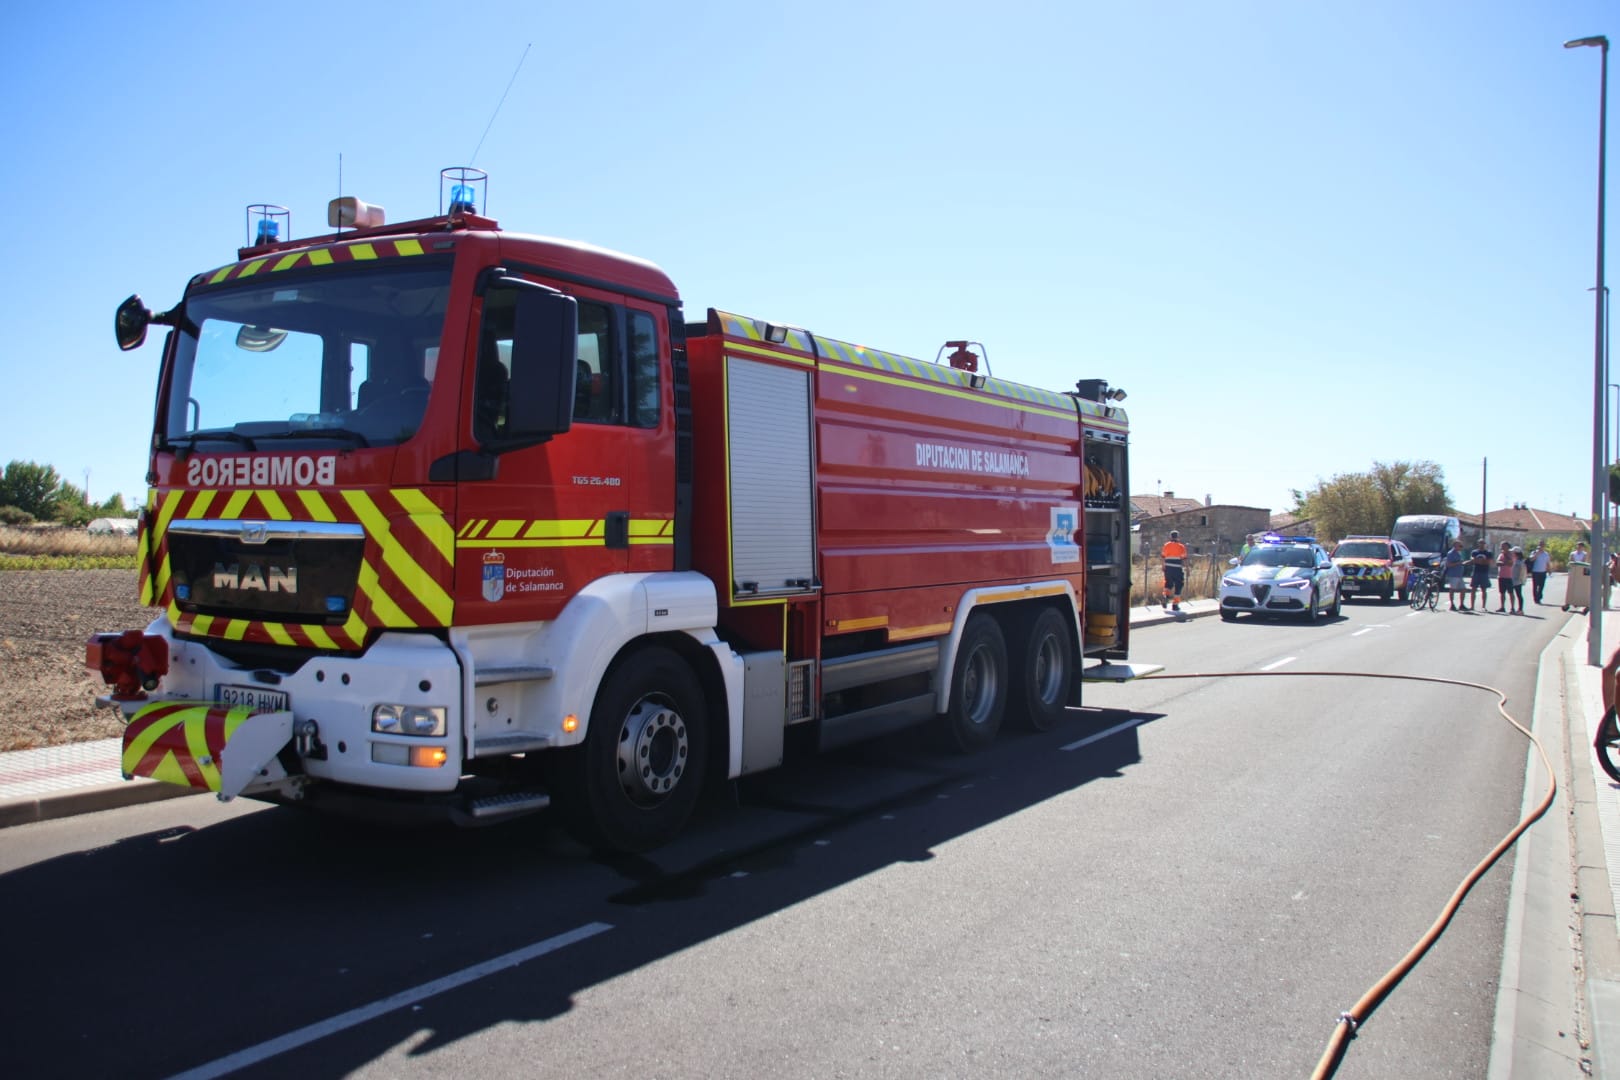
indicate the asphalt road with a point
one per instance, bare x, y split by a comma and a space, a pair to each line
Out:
1200, 893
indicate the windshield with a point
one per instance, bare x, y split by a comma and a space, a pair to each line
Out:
1361, 549
1429, 539
1279, 556
332, 355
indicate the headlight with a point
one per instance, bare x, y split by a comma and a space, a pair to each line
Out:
1233, 582
1294, 583
424, 720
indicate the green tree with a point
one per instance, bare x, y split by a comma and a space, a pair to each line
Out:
30, 487
71, 507
1370, 502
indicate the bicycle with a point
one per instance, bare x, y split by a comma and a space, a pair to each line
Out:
1426, 592
1607, 745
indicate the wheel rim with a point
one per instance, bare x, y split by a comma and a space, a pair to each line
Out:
979, 687
653, 748
1048, 670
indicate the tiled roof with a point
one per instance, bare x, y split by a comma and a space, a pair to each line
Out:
1157, 505
1534, 521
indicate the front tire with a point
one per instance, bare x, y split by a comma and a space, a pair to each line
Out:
1338, 602
1311, 611
1040, 694
978, 687
634, 782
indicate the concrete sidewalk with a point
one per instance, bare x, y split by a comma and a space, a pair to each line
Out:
1558, 1001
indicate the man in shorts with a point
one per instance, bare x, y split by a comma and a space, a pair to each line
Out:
1479, 574
1175, 575
1455, 562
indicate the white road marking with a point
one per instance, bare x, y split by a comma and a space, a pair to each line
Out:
1279, 663
354, 1017
1115, 730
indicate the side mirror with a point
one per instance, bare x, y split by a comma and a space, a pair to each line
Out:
1233, 561
130, 323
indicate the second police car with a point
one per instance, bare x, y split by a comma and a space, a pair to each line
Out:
1283, 575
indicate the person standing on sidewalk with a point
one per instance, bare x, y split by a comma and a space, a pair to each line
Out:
1540, 563
1504, 577
1519, 574
1579, 554
1479, 580
1175, 573
1455, 563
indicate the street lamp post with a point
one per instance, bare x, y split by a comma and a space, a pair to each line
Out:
1600, 475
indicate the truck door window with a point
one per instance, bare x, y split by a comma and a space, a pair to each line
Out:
643, 370
596, 395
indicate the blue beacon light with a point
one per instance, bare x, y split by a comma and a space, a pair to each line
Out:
463, 199
269, 232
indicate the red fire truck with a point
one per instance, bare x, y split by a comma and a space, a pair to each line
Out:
450, 519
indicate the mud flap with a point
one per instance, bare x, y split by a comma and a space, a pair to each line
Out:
207, 747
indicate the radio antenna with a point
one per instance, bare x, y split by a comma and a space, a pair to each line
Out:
501, 102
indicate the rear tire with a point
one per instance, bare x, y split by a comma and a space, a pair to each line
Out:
978, 687
634, 782
1040, 694
1607, 745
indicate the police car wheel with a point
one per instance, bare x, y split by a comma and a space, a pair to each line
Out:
978, 686
1338, 602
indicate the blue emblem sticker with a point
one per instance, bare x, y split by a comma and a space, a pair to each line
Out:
494, 575
1060, 537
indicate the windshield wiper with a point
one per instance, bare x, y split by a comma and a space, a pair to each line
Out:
321, 433
191, 439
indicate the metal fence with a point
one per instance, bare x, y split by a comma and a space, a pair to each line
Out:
1203, 577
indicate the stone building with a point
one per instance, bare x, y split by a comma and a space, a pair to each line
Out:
1206, 528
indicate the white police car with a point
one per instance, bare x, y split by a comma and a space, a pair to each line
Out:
1283, 575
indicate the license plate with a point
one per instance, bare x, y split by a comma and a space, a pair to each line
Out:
257, 697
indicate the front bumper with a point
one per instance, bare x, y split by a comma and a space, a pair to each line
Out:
1263, 597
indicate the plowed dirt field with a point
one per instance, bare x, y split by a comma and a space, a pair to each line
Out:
46, 696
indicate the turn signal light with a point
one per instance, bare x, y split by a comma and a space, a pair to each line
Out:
428, 757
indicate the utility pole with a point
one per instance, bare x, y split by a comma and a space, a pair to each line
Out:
1484, 503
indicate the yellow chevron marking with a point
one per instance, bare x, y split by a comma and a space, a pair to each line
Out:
382, 605
252, 268
236, 629
503, 529
421, 584
234, 505
278, 633
274, 506
354, 627
219, 275
201, 624
320, 257
362, 251
194, 728
320, 637
408, 247
427, 517
560, 529
287, 261
199, 506
316, 506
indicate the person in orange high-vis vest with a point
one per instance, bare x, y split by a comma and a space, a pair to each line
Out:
1175, 573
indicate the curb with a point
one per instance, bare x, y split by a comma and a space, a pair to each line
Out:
27, 811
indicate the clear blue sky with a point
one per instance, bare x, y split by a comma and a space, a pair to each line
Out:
1304, 237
